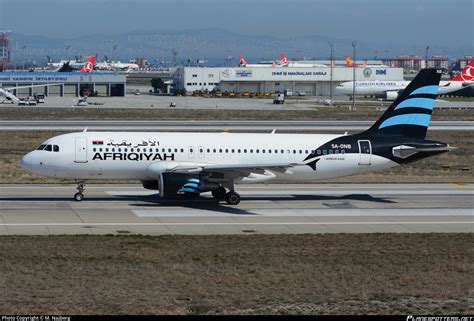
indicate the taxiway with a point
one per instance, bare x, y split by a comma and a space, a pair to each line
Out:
272, 208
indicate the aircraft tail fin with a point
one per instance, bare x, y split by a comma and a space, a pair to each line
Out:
88, 65
410, 113
243, 62
284, 60
467, 74
349, 62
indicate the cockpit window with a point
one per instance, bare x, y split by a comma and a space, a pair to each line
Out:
56, 148
48, 148
41, 147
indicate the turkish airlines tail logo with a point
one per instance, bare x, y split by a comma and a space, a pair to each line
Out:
467, 74
284, 61
243, 62
349, 62
89, 65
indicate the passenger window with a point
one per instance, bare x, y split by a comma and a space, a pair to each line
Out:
176, 150
214, 150
294, 151
263, 151
113, 149
251, 151
56, 148
257, 151
306, 151
169, 150
301, 152
151, 150
226, 150
220, 150
182, 150
208, 150
282, 151
233, 150
319, 152
119, 150
269, 151
245, 151
330, 151
238, 151
93, 149
48, 148
325, 152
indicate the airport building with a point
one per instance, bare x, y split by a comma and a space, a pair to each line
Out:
65, 83
311, 81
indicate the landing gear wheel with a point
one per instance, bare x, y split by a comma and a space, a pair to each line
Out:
78, 197
232, 198
219, 193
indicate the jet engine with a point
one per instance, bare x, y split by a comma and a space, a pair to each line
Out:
173, 185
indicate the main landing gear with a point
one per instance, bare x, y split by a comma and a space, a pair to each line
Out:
232, 198
79, 196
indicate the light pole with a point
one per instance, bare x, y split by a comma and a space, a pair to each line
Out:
353, 74
427, 57
331, 44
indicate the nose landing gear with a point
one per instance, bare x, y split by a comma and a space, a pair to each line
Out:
79, 196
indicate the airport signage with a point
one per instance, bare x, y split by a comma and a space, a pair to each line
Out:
23, 78
243, 73
299, 73
381, 72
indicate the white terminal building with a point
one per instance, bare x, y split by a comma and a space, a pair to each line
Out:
311, 81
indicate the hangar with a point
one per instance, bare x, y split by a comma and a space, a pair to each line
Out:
311, 81
69, 83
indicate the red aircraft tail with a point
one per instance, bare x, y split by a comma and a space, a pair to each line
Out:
88, 65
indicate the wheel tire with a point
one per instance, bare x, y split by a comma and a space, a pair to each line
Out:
232, 198
78, 197
219, 193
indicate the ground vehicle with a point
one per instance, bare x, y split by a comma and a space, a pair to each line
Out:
39, 98
288, 92
279, 99
27, 102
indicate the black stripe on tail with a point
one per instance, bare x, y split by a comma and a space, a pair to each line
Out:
410, 114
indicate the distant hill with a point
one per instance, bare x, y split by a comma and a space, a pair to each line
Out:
213, 45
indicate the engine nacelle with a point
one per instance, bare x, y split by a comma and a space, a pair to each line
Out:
391, 95
173, 185
153, 185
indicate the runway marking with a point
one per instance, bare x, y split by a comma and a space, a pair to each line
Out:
280, 212
91, 224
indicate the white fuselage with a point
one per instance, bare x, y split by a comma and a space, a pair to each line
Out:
379, 87
129, 155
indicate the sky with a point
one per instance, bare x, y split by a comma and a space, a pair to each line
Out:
443, 22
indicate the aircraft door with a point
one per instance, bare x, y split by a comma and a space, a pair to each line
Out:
81, 150
365, 152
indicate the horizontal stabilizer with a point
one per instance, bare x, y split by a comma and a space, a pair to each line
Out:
404, 151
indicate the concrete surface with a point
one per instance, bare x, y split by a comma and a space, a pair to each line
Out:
273, 208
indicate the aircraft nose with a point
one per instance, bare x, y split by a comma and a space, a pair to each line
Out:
27, 161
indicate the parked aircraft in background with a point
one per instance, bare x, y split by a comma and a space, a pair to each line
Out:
390, 89
350, 63
108, 64
284, 62
244, 63
87, 66
188, 164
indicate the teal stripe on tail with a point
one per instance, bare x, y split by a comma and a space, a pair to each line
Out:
410, 114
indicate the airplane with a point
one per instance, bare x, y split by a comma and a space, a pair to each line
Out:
180, 165
116, 65
88, 66
390, 89
244, 63
286, 63
350, 63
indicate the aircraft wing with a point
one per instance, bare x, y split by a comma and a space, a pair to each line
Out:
234, 170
